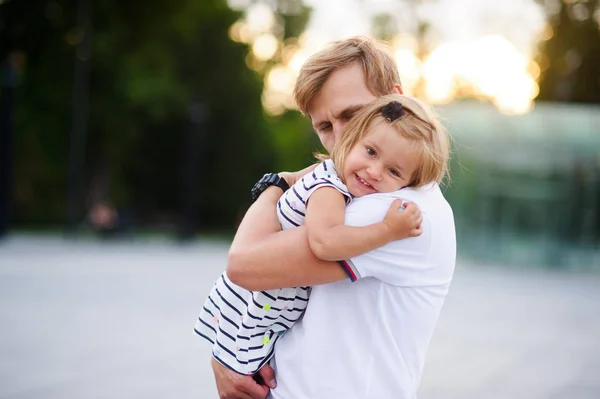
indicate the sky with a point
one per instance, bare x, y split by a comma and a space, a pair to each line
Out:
520, 21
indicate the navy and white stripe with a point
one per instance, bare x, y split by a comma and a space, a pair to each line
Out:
291, 208
243, 325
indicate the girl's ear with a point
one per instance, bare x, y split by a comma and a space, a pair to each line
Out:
397, 89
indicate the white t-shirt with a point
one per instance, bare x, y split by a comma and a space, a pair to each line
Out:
369, 338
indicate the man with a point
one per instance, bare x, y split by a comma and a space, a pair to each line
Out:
366, 339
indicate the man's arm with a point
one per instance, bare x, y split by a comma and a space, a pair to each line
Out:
262, 257
232, 385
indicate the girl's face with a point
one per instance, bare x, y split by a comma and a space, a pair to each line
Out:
381, 162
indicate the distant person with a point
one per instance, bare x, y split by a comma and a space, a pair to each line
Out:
108, 221
366, 339
104, 218
393, 143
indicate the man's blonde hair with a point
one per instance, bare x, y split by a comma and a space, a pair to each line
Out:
379, 67
419, 124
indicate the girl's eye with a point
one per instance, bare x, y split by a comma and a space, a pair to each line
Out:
371, 151
395, 173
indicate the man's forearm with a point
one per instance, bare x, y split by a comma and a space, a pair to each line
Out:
261, 257
260, 220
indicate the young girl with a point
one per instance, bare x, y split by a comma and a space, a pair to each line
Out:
392, 143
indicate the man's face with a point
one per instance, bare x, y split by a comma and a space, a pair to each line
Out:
342, 95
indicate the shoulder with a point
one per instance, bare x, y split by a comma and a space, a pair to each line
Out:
428, 197
324, 175
325, 170
372, 208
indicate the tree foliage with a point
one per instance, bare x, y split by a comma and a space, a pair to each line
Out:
151, 64
570, 57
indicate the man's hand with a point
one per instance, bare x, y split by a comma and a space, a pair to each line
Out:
232, 385
403, 223
292, 177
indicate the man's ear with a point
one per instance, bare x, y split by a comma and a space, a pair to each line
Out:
397, 89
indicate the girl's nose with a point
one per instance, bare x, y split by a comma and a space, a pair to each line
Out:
375, 171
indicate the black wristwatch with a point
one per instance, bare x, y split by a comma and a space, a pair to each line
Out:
269, 179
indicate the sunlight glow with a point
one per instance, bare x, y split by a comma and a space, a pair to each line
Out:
281, 79
488, 68
265, 46
240, 32
273, 102
439, 71
297, 60
278, 93
409, 68
260, 17
454, 61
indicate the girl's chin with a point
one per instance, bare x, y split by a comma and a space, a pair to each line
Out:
355, 193
354, 190
357, 189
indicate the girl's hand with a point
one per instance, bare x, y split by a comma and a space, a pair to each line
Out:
403, 223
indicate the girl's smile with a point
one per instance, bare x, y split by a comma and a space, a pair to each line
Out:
364, 183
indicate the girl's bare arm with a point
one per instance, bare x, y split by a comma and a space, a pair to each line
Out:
330, 239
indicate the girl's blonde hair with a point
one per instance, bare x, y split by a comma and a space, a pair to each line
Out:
378, 65
419, 124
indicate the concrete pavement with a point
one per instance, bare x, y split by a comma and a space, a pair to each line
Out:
114, 320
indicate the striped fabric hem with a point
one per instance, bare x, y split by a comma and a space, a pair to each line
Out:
350, 269
248, 370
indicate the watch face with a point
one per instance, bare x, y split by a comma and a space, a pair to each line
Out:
258, 189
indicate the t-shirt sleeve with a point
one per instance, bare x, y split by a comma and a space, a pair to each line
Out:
399, 263
324, 175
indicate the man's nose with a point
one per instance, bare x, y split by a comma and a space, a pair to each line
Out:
338, 126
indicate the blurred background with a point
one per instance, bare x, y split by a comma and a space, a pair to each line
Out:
131, 133
131, 118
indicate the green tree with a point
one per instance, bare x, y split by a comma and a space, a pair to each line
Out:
570, 57
291, 133
150, 63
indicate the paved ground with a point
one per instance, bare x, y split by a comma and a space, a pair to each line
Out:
85, 320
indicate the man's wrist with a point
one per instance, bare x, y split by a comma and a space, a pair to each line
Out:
270, 196
268, 180
273, 193
289, 177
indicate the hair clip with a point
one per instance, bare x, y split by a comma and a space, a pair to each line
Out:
392, 111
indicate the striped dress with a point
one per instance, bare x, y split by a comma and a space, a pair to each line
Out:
243, 326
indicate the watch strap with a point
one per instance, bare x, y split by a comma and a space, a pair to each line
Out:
269, 179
